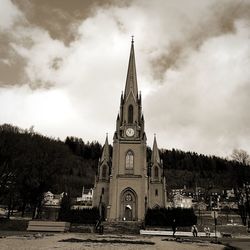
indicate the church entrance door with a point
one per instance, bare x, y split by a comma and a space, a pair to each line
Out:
128, 213
128, 207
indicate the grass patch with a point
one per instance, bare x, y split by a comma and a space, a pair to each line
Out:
114, 241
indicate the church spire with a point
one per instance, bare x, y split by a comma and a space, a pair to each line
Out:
131, 81
105, 151
155, 157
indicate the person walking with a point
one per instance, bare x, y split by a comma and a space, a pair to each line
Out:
194, 230
174, 227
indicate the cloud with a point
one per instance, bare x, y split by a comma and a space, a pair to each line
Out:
184, 27
40, 52
9, 15
192, 64
205, 100
11, 65
48, 110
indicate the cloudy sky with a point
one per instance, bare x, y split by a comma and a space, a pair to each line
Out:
63, 66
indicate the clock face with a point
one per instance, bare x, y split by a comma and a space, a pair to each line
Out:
130, 132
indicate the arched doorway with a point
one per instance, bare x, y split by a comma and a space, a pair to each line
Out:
128, 213
128, 207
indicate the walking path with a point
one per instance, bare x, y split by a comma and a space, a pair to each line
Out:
178, 233
78, 241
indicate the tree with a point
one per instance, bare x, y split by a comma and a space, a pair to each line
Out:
241, 156
31, 164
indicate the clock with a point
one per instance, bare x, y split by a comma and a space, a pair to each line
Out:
130, 132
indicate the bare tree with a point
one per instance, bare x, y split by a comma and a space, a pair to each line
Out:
241, 156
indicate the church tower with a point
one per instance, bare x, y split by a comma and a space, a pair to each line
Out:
157, 188
128, 180
101, 188
123, 186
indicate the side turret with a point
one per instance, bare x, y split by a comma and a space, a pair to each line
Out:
102, 180
157, 185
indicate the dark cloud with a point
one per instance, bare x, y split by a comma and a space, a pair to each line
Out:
11, 65
61, 17
12, 73
220, 19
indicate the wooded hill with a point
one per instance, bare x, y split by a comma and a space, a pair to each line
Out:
192, 169
31, 164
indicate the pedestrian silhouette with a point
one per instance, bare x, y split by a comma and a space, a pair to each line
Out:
194, 230
174, 227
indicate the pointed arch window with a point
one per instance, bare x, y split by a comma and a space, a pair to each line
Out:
130, 113
129, 160
156, 192
104, 171
156, 172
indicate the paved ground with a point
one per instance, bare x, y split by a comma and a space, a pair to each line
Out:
239, 243
39, 241
178, 233
11, 240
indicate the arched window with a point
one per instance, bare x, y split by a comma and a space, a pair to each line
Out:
156, 172
102, 190
129, 160
104, 171
156, 192
130, 114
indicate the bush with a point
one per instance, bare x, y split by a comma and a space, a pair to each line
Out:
82, 216
164, 217
13, 225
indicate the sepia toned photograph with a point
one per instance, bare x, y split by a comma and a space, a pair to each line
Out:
124, 124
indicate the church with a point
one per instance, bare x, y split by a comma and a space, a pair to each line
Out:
127, 185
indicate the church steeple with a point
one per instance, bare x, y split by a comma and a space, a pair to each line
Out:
131, 81
155, 157
130, 124
105, 152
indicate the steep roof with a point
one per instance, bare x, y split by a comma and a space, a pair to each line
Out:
131, 81
155, 157
105, 151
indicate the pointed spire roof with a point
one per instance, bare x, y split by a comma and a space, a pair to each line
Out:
155, 157
131, 81
105, 151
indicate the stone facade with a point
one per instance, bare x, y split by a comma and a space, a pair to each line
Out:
123, 187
